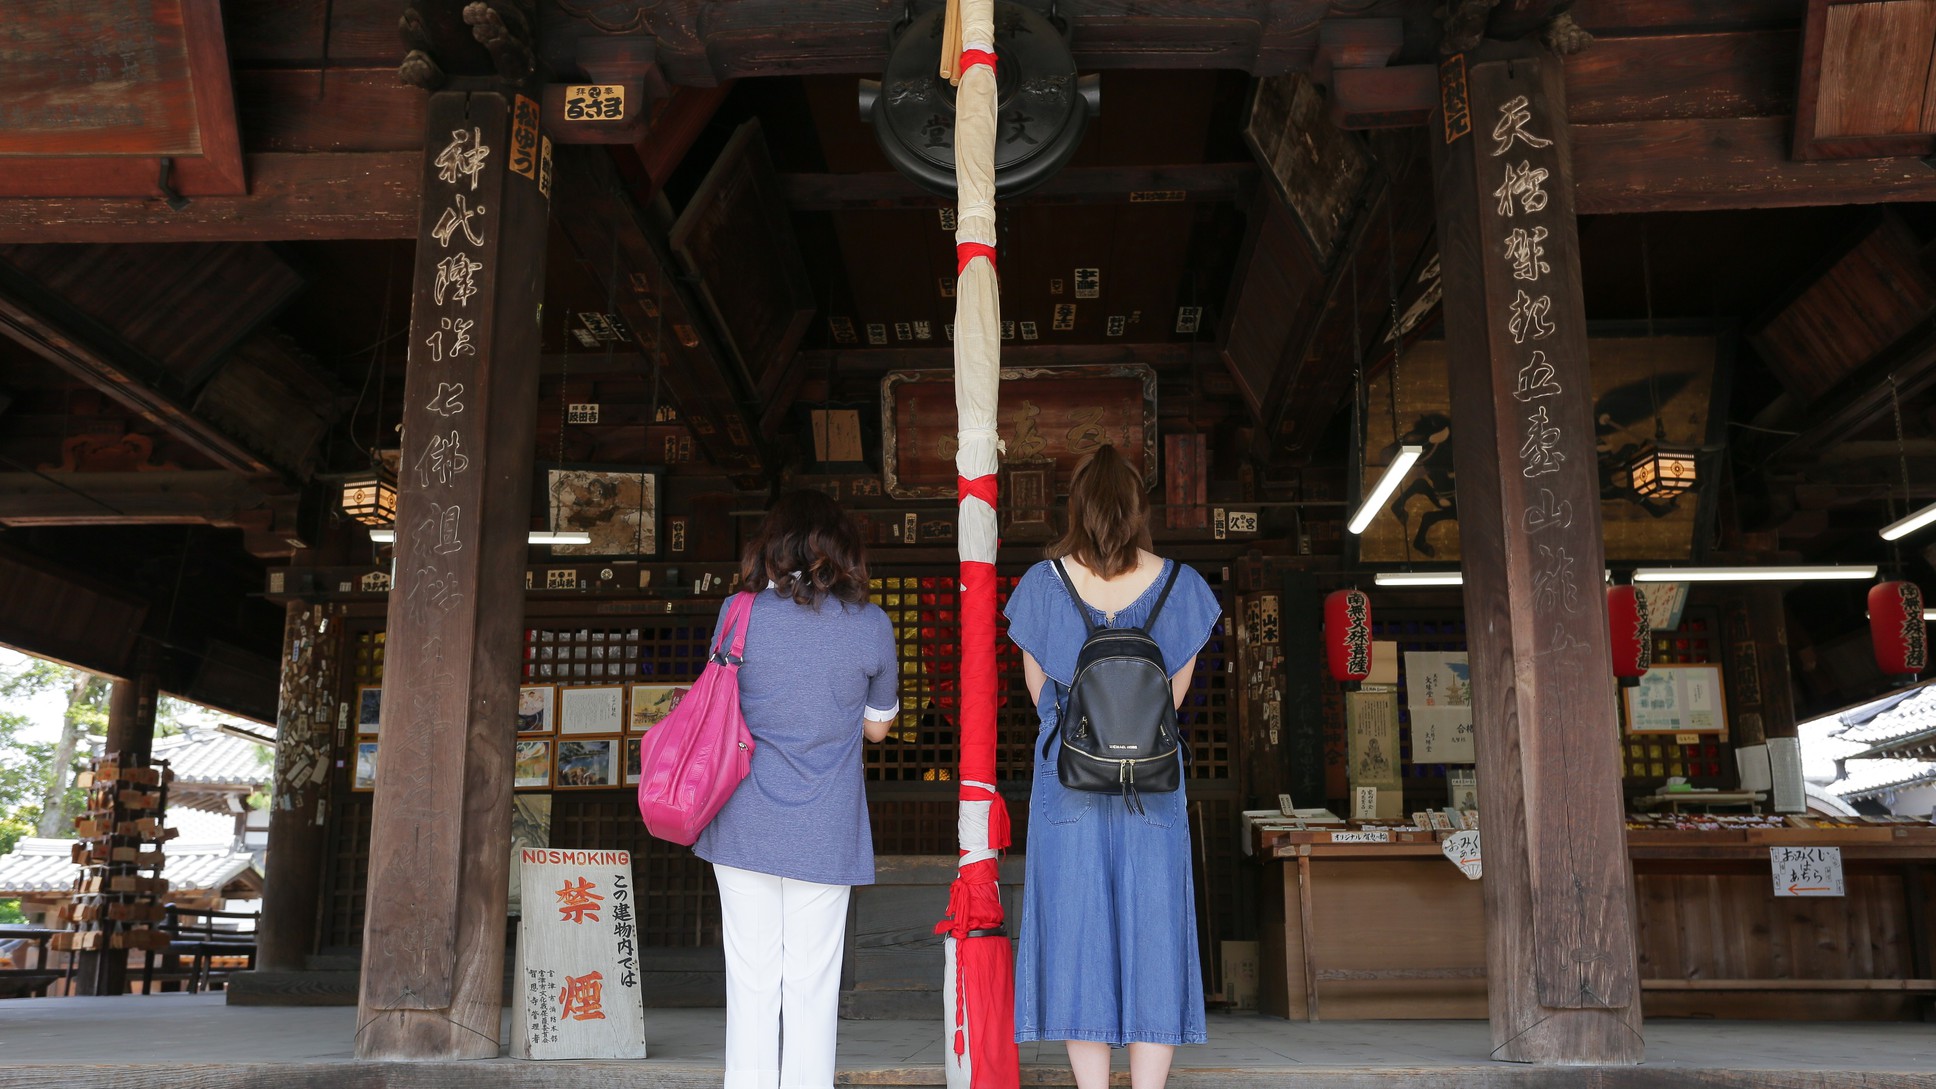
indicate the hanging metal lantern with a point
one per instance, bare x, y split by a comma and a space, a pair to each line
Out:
1662, 470
1042, 106
370, 499
1897, 628
1630, 633
1347, 635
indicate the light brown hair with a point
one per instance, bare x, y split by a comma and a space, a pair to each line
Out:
809, 549
1108, 515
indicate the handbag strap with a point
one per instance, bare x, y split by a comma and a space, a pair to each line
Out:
739, 616
1075, 599
1157, 609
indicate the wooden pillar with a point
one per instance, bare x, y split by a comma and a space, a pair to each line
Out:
1761, 692
433, 946
131, 733
1559, 896
306, 718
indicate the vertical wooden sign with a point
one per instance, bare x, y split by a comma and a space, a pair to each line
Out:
576, 987
434, 940
1559, 895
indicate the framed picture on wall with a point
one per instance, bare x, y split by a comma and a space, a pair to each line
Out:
369, 708
617, 506
591, 709
651, 703
588, 762
363, 775
1680, 698
632, 762
533, 768
537, 708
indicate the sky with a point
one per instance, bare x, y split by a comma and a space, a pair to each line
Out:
43, 711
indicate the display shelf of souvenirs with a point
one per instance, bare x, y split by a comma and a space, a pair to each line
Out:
1269, 832
1693, 829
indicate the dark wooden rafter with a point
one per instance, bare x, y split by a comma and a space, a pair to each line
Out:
626, 256
181, 497
44, 324
1159, 355
702, 42
1072, 185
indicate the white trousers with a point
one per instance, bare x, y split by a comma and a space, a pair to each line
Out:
783, 944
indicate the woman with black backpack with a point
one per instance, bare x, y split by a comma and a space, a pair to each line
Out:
1109, 634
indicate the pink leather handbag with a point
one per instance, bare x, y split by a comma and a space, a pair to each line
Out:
693, 760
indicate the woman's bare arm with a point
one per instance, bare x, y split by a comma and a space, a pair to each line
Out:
1032, 674
1180, 681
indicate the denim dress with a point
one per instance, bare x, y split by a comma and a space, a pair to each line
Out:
1108, 946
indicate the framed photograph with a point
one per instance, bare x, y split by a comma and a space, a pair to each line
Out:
591, 709
537, 708
619, 507
651, 703
1681, 698
533, 769
591, 762
369, 709
363, 776
632, 761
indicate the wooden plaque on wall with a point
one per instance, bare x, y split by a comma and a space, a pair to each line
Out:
95, 95
1058, 413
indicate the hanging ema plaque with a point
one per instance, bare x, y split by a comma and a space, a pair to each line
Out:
576, 985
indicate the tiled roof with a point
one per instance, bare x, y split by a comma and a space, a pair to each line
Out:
1867, 778
46, 865
1891, 722
205, 756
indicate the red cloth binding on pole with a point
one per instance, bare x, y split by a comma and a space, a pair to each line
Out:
972, 57
968, 251
977, 679
981, 487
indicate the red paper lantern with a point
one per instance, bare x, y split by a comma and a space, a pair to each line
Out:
1347, 634
1630, 633
1897, 627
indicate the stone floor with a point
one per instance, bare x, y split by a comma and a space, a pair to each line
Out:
195, 1040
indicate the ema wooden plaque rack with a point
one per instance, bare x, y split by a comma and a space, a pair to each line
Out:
119, 892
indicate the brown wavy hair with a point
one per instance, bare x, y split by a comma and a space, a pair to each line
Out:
1108, 515
809, 549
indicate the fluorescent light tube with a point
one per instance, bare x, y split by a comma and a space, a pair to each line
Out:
388, 535
1419, 578
1903, 527
1791, 573
1394, 476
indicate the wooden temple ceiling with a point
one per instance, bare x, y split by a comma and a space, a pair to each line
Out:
246, 347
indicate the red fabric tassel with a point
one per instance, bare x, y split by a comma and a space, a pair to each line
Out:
999, 835
968, 251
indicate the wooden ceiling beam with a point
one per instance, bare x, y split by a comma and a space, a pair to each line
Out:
186, 497
1160, 355
1864, 399
626, 257
292, 197
1705, 164
1197, 182
703, 42
42, 324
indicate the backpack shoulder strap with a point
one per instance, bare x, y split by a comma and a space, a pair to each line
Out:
1075, 599
1157, 609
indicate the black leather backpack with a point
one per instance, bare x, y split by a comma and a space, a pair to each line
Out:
1118, 722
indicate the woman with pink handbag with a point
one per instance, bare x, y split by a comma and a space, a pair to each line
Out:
818, 673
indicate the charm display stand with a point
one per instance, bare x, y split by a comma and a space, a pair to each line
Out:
119, 894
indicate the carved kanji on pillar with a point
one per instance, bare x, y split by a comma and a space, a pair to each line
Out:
1559, 895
